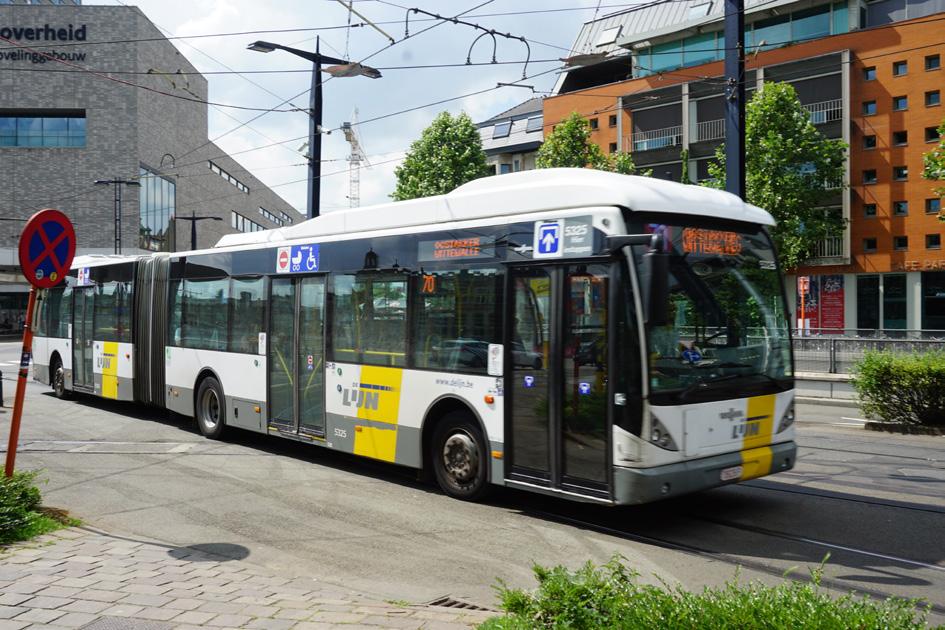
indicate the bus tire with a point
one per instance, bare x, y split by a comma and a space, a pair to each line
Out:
57, 378
459, 457
210, 408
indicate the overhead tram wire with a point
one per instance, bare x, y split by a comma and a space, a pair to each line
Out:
200, 202
307, 90
301, 93
146, 88
297, 30
431, 66
245, 78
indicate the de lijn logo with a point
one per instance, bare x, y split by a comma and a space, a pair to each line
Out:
45, 33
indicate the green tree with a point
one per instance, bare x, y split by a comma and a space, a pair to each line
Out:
447, 155
934, 162
623, 163
788, 167
569, 145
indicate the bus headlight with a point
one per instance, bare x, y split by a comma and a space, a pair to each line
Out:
787, 419
660, 437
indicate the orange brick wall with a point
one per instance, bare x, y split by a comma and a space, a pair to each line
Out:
910, 41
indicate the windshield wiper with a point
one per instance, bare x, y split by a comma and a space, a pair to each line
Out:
725, 364
725, 377
704, 384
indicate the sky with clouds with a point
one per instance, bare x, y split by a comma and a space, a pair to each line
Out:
550, 26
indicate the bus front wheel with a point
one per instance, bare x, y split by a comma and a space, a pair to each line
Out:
459, 457
211, 408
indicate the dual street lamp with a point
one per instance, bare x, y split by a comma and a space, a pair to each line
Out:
117, 182
341, 69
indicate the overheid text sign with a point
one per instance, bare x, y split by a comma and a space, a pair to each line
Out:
45, 33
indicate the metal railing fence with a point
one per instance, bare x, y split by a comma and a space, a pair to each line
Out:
825, 111
710, 130
836, 351
657, 139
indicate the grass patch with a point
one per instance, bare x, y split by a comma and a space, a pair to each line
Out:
610, 596
21, 515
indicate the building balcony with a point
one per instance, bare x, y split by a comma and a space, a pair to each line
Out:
710, 130
825, 111
829, 251
657, 138
830, 247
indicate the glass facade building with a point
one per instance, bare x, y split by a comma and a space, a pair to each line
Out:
158, 203
774, 32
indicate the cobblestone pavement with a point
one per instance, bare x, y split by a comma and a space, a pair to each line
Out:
80, 578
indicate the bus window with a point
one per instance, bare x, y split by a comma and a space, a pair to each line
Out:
106, 313
176, 299
59, 312
369, 319
123, 312
41, 313
204, 314
247, 314
458, 314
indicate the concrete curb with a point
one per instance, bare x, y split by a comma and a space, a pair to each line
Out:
906, 429
827, 402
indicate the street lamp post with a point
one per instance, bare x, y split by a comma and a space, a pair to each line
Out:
117, 183
342, 69
193, 226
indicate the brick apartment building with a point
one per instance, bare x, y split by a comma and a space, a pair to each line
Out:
62, 128
868, 72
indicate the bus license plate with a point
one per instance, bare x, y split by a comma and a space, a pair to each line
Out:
728, 474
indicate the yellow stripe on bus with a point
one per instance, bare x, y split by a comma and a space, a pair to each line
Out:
376, 442
110, 369
756, 450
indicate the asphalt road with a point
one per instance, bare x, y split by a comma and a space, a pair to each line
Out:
872, 502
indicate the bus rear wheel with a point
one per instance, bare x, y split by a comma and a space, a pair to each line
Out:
210, 408
58, 374
459, 457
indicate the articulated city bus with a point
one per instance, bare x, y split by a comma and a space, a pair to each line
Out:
600, 337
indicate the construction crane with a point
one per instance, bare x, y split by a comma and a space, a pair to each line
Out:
356, 157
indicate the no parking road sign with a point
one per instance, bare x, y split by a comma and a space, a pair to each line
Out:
46, 248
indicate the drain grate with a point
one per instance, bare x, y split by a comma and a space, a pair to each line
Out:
451, 602
125, 623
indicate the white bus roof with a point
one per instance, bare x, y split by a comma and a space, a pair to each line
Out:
521, 193
95, 260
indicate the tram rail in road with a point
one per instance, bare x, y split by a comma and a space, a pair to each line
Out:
129, 469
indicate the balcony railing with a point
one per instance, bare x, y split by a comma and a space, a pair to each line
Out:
830, 248
710, 130
657, 139
825, 111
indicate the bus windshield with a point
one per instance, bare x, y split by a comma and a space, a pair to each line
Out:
726, 333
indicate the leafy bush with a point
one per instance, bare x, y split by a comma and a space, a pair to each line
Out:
903, 388
20, 515
610, 597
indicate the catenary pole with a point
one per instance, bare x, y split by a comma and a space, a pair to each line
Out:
735, 97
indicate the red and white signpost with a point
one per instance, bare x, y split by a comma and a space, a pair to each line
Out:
47, 247
803, 286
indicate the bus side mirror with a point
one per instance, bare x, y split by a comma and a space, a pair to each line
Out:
656, 268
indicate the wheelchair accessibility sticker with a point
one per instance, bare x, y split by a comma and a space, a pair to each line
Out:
297, 259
